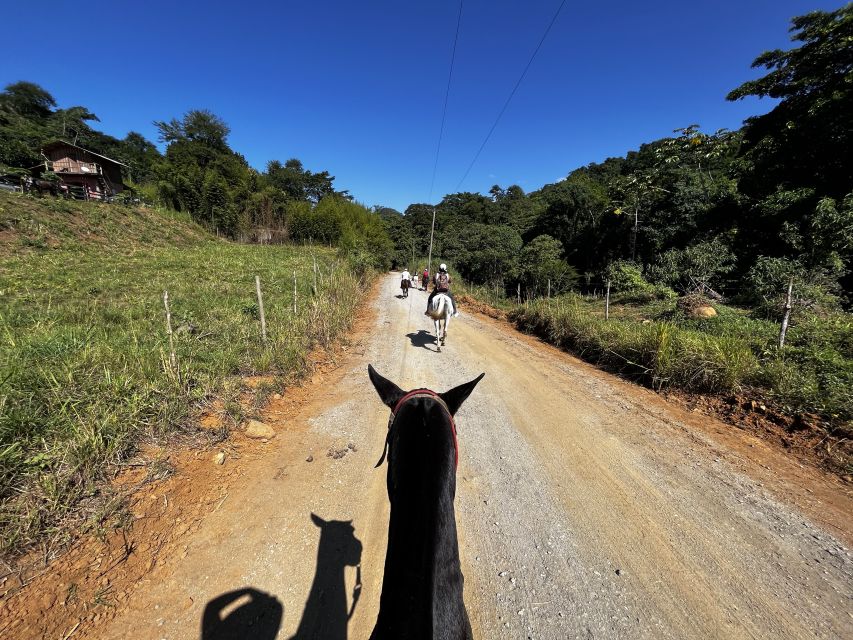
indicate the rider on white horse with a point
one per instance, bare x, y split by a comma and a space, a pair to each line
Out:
441, 283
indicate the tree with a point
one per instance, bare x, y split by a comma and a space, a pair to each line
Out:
540, 262
197, 125
74, 120
634, 193
796, 156
513, 208
573, 213
300, 184
399, 230
139, 154
489, 254
465, 207
806, 138
27, 99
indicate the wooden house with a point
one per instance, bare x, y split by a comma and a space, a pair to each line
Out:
83, 173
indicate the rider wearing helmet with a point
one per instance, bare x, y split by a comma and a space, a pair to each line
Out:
441, 284
406, 276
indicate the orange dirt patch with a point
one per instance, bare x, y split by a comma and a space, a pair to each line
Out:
805, 435
481, 307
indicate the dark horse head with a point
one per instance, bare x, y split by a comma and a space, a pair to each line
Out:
422, 585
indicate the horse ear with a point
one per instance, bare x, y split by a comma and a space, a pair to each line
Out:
456, 396
389, 392
317, 520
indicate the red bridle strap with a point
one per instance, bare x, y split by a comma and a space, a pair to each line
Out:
427, 393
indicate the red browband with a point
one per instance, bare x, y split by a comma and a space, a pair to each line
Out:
430, 394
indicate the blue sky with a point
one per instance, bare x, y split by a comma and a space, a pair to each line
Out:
357, 88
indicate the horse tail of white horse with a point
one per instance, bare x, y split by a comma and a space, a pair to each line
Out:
440, 307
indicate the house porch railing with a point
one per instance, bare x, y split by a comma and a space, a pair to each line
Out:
72, 166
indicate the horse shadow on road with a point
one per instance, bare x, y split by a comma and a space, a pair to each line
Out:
421, 339
250, 613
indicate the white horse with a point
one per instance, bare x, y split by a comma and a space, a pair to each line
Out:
440, 310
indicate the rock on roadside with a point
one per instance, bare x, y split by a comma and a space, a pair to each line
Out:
257, 429
704, 312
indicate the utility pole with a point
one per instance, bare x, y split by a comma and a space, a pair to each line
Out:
431, 235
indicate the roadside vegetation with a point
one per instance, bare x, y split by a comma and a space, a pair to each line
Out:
659, 340
84, 351
660, 346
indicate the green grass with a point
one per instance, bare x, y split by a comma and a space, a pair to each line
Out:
84, 348
492, 296
656, 345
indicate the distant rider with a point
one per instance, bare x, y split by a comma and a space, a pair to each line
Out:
441, 283
425, 279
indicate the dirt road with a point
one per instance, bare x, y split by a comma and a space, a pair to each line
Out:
587, 508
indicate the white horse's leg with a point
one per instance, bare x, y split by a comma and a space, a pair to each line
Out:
437, 333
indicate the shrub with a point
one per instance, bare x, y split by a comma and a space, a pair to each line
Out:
767, 283
658, 354
626, 277
693, 268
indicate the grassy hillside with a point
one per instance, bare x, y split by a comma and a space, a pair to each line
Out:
84, 348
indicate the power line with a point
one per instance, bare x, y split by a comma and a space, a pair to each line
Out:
446, 97
511, 94
441, 133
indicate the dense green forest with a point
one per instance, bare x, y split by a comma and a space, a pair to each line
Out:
732, 212
198, 174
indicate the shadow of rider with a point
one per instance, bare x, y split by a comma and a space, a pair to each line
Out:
326, 616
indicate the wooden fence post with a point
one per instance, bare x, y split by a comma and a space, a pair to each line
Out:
261, 309
787, 315
173, 361
607, 303
294, 292
315, 274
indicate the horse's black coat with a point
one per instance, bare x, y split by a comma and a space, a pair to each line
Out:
422, 585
